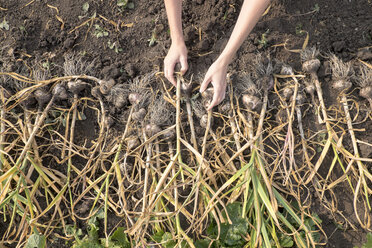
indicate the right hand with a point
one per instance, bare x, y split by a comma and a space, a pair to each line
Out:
177, 54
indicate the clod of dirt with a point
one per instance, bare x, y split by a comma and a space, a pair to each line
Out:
76, 86
338, 46
203, 45
84, 207
118, 96
139, 115
365, 150
42, 97
68, 43
105, 86
130, 69
111, 71
190, 34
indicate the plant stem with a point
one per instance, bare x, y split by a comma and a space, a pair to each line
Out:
191, 122
361, 167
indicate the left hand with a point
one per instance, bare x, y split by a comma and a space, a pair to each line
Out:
216, 75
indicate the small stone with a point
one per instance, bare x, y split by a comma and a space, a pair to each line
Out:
338, 46
68, 43
203, 45
111, 72
130, 69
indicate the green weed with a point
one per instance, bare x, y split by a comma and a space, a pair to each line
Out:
368, 244
117, 240
4, 25
100, 32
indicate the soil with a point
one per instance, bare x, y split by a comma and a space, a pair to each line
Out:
135, 41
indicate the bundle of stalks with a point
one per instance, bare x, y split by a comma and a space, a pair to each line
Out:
294, 99
160, 187
340, 155
26, 161
341, 74
251, 183
311, 65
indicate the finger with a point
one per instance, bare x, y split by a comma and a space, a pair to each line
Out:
184, 65
204, 84
215, 101
218, 96
169, 74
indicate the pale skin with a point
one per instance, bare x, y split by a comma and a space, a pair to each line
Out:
216, 75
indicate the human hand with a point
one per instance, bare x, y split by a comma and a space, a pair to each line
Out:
177, 54
216, 75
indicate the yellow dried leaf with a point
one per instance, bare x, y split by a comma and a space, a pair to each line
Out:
128, 25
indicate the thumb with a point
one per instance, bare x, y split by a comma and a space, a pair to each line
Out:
184, 65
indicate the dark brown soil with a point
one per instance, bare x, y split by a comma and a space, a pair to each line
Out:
46, 30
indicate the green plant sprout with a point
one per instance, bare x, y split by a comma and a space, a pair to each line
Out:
123, 4
100, 32
4, 25
114, 46
118, 239
368, 244
263, 41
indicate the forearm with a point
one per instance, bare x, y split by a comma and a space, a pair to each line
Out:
174, 12
249, 15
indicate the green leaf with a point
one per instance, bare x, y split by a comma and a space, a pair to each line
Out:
88, 243
122, 3
36, 241
130, 5
120, 238
231, 235
81, 116
235, 211
286, 241
316, 8
4, 25
85, 7
202, 243
168, 241
368, 244
157, 237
